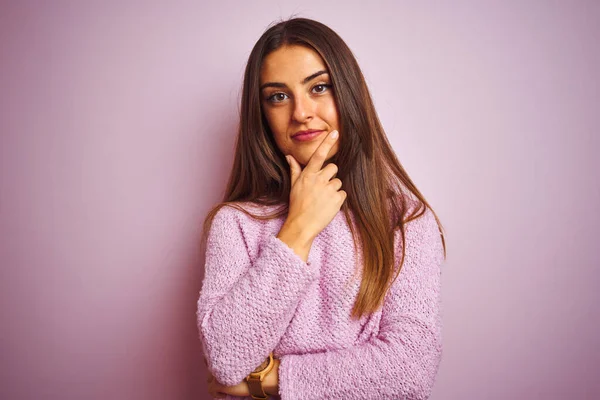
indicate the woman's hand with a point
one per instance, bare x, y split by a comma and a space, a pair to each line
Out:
315, 198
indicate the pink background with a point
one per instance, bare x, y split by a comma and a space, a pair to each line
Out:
117, 127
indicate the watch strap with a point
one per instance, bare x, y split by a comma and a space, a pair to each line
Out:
255, 379
256, 389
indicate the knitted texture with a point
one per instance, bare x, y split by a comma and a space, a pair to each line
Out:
259, 296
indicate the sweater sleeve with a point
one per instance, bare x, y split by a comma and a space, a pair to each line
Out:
402, 360
246, 305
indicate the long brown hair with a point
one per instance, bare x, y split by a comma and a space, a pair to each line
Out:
377, 185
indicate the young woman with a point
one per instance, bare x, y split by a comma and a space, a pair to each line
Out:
322, 274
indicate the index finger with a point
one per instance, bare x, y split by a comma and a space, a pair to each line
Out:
320, 155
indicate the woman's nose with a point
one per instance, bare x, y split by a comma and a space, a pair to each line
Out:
303, 108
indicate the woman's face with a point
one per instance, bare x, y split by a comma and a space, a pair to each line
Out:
296, 95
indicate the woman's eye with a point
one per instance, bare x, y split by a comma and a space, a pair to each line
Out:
277, 97
321, 88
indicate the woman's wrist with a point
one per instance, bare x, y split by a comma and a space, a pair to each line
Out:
271, 380
296, 240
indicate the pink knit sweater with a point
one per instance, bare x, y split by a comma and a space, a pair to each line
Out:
259, 296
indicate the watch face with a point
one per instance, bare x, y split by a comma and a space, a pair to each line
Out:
262, 366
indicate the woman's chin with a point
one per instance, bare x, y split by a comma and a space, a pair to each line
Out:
302, 161
304, 157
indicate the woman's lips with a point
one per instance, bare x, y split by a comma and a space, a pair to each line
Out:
307, 136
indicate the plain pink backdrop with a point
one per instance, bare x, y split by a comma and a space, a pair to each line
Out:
117, 124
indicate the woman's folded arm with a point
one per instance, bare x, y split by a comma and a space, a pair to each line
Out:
245, 306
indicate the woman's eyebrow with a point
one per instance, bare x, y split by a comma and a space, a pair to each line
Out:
283, 85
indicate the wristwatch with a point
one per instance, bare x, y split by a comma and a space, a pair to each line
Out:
256, 377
